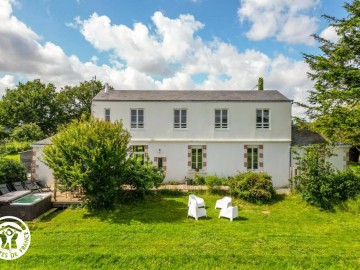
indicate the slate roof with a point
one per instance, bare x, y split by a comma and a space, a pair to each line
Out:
46, 141
192, 95
304, 137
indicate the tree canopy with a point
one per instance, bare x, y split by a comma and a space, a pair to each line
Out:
37, 103
31, 102
334, 103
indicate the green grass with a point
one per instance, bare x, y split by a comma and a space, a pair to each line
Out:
156, 234
15, 157
355, 167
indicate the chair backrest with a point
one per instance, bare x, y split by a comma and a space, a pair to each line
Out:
227, 199
228, 204
29, 185
191, 197
4, 189
18, 186
41, 183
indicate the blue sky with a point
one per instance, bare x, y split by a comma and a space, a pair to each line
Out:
178, 44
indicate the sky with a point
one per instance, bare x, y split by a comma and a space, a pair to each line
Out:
164, 44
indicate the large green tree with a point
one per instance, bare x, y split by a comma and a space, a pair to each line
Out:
31, 102
74, 101
91, 153
38, 103
334, 103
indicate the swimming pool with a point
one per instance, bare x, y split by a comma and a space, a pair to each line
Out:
30, 199
28, 207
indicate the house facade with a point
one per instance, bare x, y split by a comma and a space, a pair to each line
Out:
209, 132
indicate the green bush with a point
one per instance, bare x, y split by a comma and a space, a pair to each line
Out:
328, 190
11, 171
91, 153
142, 177
15, 147
212, 181
27, 133
252, 187
198, 179
319, 183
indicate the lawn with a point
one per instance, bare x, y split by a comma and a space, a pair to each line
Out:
15, 157
156, 234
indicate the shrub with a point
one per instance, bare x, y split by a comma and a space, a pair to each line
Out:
27, 133
11, 171
15, 147
328, 190
91, 153
143, 176
252, 187
319, 183
212, 181
198, 179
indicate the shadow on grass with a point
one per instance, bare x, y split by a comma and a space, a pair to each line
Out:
51, 216
278, 198
154, 208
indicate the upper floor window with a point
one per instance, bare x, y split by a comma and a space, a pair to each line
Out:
262, 118
137, 118
180, 118
107, 114
252, 157
221, 118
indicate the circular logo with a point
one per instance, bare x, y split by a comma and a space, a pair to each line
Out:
14, 238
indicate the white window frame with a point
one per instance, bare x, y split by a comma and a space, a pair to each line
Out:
262, 124
221, 124
107, 114
251, 164
197, 161
137, 124
180, 124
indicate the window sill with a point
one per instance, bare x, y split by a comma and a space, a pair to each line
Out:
180, 129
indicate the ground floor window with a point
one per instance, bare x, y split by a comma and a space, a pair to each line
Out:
252, 158
196, 158
139, 152
160, 162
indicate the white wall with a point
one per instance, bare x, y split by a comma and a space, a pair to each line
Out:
42, 171
339, 160
158, 120
223, 159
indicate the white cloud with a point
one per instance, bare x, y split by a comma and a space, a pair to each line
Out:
6, 82
330, 34
286, 20
167, 55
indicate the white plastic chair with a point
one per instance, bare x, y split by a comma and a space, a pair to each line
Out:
229, 211
199, 201
222, 202
195, 211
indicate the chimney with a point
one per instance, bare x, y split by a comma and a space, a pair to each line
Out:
260, 84
106, 89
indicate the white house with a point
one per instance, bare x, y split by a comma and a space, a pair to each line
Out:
212, 132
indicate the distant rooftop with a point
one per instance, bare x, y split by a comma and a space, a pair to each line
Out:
304, 137
46, 141
192, 95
